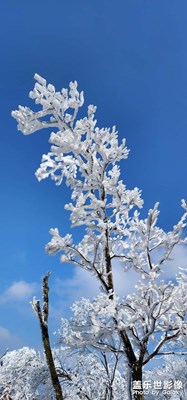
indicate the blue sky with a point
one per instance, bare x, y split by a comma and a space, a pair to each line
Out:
130, 58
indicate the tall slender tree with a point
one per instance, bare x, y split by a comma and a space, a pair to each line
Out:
151, 320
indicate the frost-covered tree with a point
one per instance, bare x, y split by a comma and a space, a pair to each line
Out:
150, 321
24, 375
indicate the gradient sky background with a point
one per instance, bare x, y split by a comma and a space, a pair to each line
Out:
130, 58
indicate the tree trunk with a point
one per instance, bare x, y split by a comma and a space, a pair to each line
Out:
43, 320
50, 362
137, 388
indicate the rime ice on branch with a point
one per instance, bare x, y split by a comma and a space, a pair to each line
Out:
87, 158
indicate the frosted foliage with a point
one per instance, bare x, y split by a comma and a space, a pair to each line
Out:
154, 317
84, 155
173, 370
24, 375
93, 380
92, 323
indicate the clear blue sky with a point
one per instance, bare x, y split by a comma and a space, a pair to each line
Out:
130, 58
